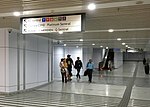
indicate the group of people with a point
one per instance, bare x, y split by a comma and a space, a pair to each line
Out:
66, 65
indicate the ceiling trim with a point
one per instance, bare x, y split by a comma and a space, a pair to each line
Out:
54, 11
119, 30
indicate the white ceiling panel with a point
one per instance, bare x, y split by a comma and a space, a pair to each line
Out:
130, 20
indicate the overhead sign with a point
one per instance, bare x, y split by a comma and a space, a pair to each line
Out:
65, 23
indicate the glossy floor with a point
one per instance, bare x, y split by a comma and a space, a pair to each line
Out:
127, 86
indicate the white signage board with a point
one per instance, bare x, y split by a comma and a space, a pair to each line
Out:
65, 23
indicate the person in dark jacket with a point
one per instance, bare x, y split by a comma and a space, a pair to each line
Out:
147, 66
144, 61
69, 68
78, 66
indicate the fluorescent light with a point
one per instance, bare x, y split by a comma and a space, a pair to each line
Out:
16, 13
65, 44
110, 30
81, 39
91, 6
123, 43
119, 39
60, 32
77, 46
93, 44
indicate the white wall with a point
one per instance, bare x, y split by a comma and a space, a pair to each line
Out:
3, 58
84, 53
97, 56
36, 61
133, 56
62, 52
87, 54
118, 59
58, 54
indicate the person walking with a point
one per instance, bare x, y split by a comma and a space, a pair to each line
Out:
78, 66
110, 65
147, 66
90, 67
69, 68
144, 61
63, 70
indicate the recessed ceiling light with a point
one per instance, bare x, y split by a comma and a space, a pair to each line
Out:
65, 44
81, 39
110, 30
119, 39
126, 45
60, 32
91, 6
106, 47
77, 46
101, 46
93, 44
123, 43
16, 13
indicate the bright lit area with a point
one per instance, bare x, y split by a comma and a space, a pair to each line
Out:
74, 53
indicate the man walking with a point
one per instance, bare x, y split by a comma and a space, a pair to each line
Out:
78, 66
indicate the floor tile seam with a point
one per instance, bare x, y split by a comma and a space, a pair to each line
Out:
15, 103
83, 82
27, 101
50, 103
79, 94
140, 99
43, 101
126, 97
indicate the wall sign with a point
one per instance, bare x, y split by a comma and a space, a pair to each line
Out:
64, 23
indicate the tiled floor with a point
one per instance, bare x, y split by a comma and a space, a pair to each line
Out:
126, 86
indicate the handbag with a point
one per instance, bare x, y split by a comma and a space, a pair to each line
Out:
86, 72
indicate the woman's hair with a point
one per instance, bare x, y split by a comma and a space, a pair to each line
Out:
62, 59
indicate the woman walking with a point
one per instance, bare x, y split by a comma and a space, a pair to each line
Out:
90, 67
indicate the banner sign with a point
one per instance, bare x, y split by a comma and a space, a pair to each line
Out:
65, 23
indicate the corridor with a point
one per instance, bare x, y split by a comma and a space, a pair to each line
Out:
127, 86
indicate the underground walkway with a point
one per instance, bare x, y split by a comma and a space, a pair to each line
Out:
127, 86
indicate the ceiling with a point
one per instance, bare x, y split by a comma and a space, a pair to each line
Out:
130, 20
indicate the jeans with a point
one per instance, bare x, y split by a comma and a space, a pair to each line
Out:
90, 71
64, 76
78, 73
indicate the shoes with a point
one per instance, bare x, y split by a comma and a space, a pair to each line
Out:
78, 76
69, 79
90, 81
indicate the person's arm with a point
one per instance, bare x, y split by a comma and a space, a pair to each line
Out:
81, 65
93, 65
72, 62
87, 65
75, 66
